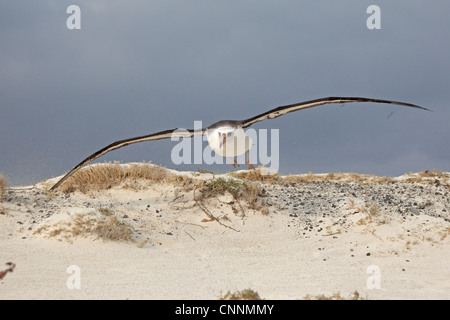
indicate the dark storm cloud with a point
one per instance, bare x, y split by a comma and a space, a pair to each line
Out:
144, 66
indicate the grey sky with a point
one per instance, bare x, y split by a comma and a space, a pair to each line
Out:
138, 67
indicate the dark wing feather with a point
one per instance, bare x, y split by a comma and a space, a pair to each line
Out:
176, 133
277, 112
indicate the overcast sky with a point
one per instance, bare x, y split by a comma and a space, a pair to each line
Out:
137, 67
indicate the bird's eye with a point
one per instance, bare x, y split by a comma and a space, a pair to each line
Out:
220, 134
229, 134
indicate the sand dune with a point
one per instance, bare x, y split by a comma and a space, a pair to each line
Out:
201, 235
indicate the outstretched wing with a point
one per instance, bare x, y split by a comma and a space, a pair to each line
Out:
277, 112
175, 133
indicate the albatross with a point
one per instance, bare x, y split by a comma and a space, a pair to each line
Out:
227, 137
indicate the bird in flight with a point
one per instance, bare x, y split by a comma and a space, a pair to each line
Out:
227, 137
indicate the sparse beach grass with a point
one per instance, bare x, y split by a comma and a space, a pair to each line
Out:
257, 175
316, 221
247, 192
241, 191
105, 225
3, 186
137, 176
131, 176
260, 176
335, 296
426, 177
250, 294
246, 294
435, 177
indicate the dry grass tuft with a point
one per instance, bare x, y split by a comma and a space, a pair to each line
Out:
371, 209
132, 176
105, 225
435, 177
434, 174
257, 175
249, 294
337, 177
335, 296
248, 193
3, 186
246, 294
240, 190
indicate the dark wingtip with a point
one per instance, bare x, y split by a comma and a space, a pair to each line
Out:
423, 108
412, 105
56, 185
404, 104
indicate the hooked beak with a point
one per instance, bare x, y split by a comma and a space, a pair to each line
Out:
223, 140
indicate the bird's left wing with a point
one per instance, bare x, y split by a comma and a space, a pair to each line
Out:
277, 112
175, 133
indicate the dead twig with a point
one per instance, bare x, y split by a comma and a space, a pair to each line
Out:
200, 170
189, 235
331, 234
10, 269
192, 224
209, 214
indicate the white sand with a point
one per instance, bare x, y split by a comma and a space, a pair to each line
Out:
187, 258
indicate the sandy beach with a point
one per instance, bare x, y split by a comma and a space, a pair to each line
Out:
298, 237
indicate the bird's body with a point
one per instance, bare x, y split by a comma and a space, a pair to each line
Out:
227, 137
